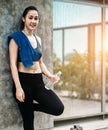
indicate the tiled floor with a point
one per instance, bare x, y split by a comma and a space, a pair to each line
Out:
92, 125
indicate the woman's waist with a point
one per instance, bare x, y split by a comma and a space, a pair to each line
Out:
35, 68
30, 78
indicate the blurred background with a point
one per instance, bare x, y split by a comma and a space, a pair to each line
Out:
80, 51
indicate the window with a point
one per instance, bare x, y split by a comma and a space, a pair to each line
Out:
77, 49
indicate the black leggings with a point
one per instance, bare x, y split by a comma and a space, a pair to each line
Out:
47, 100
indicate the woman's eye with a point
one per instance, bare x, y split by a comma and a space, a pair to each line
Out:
30, 18
36, 18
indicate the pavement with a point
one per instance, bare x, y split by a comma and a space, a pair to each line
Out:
88, 125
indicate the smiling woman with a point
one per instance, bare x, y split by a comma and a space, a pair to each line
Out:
30, 15
27, 67
30, 21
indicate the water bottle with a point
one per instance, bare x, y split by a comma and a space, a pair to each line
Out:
49, 85
58, 74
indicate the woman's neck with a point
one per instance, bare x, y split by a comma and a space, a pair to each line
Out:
28, 32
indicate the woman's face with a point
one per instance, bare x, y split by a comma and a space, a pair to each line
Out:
31, 20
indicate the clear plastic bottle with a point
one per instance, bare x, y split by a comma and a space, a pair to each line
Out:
49, 85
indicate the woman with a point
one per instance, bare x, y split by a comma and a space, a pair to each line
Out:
27, 67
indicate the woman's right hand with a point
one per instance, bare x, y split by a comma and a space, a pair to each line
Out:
20, 95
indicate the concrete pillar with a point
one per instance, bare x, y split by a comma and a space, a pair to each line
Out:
10, 13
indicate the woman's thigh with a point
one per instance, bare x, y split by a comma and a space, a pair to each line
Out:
48, 99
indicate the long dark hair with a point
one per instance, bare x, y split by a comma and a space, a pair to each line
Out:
25, 13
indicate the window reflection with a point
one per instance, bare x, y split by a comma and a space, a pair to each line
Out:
68, 14
73, 41
57, 36
77, 53
95, 1
106, 68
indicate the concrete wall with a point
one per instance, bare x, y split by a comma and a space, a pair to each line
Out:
10, 13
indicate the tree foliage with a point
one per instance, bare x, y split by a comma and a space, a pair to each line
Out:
77, 76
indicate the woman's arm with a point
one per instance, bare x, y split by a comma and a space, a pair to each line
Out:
46, 72
44, 69
13, 52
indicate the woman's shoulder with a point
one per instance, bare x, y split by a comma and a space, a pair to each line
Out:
14, 34
17, 37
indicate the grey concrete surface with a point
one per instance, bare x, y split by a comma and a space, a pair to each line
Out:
88, 125
10, 14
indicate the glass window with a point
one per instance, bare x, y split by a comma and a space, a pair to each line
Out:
58, 41
79, 38
73, 41
106, 48
106, 64
68, 14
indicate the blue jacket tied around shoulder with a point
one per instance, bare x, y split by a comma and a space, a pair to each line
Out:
26, 50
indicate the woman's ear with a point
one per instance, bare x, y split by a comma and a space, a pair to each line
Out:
23, 19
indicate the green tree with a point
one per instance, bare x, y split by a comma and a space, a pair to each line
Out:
76, 76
